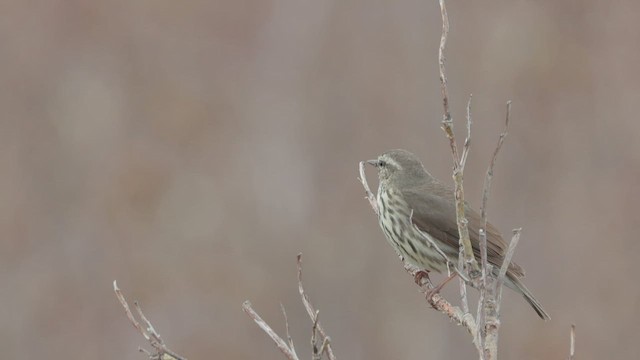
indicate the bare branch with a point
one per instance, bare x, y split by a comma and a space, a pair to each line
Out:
288, 349
443, 75
572, 344
467, 140
483, 311
470, 262
127, 310
505, 265
286, 323
492, 301
489, 175
370, 196
149, 333
464, 302
312, 311
281, 344
315, 352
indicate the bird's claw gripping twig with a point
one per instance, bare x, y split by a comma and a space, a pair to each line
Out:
421, 277
431, 292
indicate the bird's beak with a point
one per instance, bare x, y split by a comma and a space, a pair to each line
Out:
374, 163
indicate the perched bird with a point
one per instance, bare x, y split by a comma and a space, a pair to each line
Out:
409, 197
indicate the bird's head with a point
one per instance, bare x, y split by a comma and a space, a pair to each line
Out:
399, 167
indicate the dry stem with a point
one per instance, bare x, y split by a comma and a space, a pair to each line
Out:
572, 344
466, 250
288, 349
488, 313
149, 333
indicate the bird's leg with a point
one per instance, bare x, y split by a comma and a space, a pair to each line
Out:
421, 277
437, 289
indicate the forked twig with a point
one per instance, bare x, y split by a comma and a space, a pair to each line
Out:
483, 309
313, 313
470, 263
148, 332
289, 352
287, 348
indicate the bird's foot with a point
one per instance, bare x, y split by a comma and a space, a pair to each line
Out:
422, 277
431, 292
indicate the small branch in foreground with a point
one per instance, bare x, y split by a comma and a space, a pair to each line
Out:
572, 344
289, 352
288, 349
149, 333
313, 313
286, 323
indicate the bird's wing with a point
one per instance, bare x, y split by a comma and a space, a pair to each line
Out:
438, 219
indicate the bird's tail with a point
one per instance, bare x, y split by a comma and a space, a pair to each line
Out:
514, 283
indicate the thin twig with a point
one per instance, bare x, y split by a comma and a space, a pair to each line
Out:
572, 344
127, 310
149, 333
489, 175
467, 140
369, 194
482, 303
312, 311
505, 265
281, 344
286, 324
441, 58
493, 301
315, 353
464, 302
470, 262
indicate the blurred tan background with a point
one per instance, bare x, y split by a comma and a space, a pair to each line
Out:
190, 149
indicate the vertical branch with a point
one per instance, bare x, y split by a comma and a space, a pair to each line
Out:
289, 352
458, 165
572, 343
463, 162
467, 140
443, 76
287, 348
484, 309
369, 194
489, 176
147, 331
286, 323
313, 314
494, 298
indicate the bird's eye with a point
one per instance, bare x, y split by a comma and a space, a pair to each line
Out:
382, 163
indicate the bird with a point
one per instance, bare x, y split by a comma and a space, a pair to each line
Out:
413, 205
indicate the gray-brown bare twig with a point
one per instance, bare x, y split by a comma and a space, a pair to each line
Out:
320, 341
147, 331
